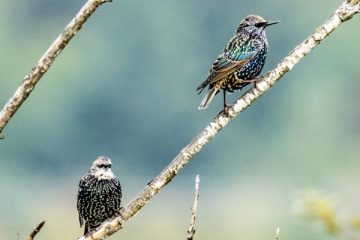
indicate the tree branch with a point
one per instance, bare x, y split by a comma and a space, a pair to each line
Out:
277, 234
191, 230
46, 61
345, 11
36, 230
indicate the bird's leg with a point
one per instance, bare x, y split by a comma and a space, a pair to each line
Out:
241, 83
250, 81
226, 110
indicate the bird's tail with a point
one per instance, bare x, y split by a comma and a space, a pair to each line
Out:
208, 98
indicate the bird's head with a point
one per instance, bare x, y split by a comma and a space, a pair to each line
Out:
254, 23
101, 168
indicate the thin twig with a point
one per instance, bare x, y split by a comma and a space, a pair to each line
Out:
342, 14
191, 230
46, 61
36, 230
277, 234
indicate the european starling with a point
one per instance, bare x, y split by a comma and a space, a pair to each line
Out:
241, 61
99, 195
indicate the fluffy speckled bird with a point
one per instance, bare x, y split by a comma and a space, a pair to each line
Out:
241, 61
99, 195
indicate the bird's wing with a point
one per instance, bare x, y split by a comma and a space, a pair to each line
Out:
116, 187
116, 191
235, 56
81, 220
81, 191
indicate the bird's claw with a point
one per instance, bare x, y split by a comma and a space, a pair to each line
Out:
90, 233
118, 213
225, 111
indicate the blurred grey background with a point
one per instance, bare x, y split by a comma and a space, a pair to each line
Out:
125, 87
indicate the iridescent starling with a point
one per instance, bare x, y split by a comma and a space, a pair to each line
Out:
99, 195
241, 61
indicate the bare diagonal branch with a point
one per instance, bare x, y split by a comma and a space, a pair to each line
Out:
46, 61
36, 230
191, 230
277, 234
345, 11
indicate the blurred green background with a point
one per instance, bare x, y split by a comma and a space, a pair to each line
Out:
125, 87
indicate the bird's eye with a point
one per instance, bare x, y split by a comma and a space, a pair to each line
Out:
101, 165
259, 24
106, 166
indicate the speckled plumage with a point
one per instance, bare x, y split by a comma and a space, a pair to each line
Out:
99, 195
240, 62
